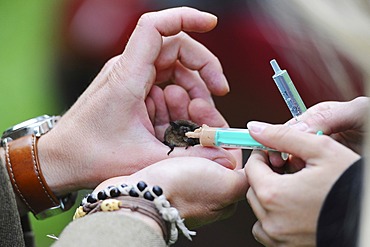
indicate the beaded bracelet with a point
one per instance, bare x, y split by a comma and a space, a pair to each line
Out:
106, 200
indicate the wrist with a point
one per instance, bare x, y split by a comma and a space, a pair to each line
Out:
140, 198
54, 165
141, 217
67, 160
22, 163
137, 208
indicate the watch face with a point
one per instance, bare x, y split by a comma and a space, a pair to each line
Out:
37, 126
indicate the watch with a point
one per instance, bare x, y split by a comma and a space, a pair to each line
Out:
37, 126
20, 144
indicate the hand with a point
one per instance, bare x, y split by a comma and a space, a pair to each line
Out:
116, 126
202, 190
287, 205
343, 121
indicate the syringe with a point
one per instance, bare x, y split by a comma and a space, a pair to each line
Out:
225, 137
229, 138
240, 138
288, 90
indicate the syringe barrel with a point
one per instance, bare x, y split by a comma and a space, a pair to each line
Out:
288, 90
290, 94
236, 138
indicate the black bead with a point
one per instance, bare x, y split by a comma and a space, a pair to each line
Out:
123, 185
133, 193
102, 195
91, 199
141, 185
114, 192
157, 190
148, 196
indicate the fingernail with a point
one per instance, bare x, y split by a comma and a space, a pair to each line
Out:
211, 15
256, 127
284, 156
226, 163
302, 126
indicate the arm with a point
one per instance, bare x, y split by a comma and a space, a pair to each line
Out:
124, 111
195, 187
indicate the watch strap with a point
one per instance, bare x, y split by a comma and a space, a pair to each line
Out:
25, 174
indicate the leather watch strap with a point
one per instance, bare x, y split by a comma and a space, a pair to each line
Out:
25, 174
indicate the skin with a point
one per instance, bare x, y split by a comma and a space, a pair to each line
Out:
342, 121
116, 127
192, 185
280, 200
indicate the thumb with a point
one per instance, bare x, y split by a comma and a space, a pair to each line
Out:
145, 43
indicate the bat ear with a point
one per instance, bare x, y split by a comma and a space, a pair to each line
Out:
174, 125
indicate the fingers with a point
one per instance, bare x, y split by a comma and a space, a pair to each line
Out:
307, 146
256, 206
333, 117
200, 111
188, 79
286, 139
257, 170
177, 100
169, 104
146, 39
145, 43
261, 236
150, 106
158, 108
192, 57
257, 173
276, 160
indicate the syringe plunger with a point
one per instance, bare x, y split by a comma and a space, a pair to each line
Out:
275, 66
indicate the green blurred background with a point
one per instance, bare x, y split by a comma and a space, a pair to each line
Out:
27, 39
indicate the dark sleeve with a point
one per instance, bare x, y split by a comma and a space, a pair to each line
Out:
338, 223
10, 226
